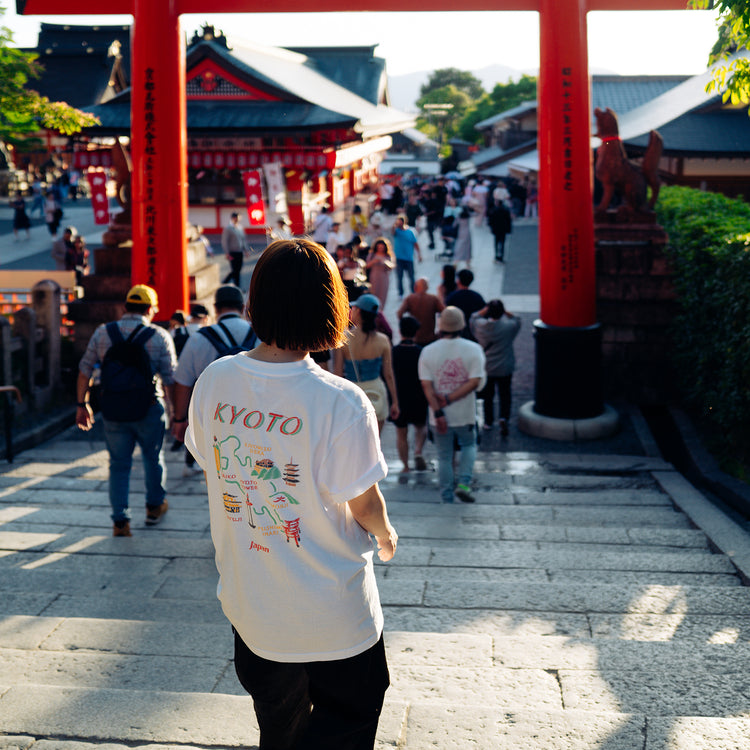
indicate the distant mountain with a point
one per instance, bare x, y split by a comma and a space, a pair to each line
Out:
404, 89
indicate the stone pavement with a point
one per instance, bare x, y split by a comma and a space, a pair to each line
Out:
590, 599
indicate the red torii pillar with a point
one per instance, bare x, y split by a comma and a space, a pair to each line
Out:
567, 335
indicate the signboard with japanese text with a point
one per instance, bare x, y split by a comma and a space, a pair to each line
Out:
99, 201
256, 210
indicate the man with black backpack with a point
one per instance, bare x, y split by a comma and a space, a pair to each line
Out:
231, 334
132, 353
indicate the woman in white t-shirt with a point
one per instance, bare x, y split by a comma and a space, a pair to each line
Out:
292, 460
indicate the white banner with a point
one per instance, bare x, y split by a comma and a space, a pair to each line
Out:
276, 185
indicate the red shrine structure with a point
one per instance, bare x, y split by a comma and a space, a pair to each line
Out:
318, 118
568, 336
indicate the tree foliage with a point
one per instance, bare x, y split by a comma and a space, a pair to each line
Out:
504, 96
434, 122
462, 80
710, 254
22, 110
732, 79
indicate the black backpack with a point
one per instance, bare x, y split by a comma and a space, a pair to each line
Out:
222, 347
180, 339
127, 376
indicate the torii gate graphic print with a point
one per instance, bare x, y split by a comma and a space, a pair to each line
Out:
566, 233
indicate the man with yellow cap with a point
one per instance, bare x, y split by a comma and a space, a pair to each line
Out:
132, 353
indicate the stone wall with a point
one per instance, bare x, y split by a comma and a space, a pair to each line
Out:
636, 303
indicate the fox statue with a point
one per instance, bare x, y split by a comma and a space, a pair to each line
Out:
617, 173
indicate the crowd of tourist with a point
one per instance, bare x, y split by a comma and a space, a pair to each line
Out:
241, 418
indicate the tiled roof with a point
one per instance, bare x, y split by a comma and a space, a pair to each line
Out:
76, 61
712, 132
307, 98
355, 68
228, 117
521, 109
623, 93
293, 73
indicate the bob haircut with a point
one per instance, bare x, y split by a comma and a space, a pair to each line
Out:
297, 300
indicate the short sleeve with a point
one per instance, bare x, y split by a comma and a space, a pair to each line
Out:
354, 462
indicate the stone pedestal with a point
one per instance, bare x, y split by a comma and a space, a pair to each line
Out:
105, 290
636, 303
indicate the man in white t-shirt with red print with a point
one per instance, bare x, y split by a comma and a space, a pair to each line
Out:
451, 370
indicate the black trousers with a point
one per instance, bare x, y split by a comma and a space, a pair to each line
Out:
502, 385
235, 261
499, 247
321, 705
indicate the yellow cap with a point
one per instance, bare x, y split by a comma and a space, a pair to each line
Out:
141, 294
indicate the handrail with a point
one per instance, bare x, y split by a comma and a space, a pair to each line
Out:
9, 420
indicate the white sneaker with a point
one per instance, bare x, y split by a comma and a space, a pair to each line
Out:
191, 471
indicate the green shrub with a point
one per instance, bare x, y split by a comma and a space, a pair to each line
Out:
709, 247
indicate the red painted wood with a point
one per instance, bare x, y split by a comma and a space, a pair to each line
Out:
77, 7
566, 229
159, 152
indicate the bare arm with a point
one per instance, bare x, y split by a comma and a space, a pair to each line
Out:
370, 513
390, 381
463, 390
436, 405
84, 415
180, 400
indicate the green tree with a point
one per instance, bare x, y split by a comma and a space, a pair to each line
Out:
504, 96
732, 79
462, 80
441, 122
22, 110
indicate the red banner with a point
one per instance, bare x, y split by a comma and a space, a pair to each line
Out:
256, 210
99, 202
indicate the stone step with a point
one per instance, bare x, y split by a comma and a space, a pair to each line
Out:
220, 720
650, 626
91, 494
426, 727
178, 599
587, 598
456, 669
435, 566
46, 640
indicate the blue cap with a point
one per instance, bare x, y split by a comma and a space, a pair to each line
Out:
367, 302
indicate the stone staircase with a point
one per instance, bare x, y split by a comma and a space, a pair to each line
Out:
575, 606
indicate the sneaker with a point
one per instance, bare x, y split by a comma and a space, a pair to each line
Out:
463, 493
154, 513
121, 528
420, 464
191, 471
486, 426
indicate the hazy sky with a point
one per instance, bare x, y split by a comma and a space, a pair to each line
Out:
632, 42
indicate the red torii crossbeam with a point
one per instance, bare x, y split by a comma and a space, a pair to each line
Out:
566, 233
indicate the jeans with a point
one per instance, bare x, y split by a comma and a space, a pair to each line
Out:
502, 385
320, 705
121, 439
465, 436
401, 267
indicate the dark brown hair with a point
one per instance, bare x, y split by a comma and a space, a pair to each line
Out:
297, 300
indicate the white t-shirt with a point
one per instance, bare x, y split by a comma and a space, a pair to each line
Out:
321, 226
449, 363
284, 447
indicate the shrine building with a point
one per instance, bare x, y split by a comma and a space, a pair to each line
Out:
321, 114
